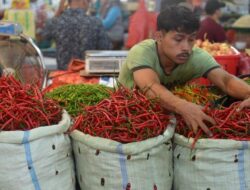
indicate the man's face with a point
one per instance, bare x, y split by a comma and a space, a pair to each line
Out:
177, 46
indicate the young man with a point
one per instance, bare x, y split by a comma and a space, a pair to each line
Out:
210, 27
75, 32
171, 59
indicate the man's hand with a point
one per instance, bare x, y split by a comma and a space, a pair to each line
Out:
194, 116
243, 104
192, 113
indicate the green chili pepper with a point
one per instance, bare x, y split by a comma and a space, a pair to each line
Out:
74, 97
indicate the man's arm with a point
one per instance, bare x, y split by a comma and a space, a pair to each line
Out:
192, 113
111, 17
231, 85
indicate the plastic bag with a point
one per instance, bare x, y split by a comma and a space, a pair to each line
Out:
142, 25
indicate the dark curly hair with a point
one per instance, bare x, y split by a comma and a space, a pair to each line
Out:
178, 18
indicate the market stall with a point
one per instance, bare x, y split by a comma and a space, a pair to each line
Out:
81, 129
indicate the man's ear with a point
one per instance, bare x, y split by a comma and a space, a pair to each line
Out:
158, 36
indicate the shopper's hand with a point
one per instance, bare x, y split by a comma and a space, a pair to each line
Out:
195, 117
243, 104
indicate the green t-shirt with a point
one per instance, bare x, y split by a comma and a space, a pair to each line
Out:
144, 55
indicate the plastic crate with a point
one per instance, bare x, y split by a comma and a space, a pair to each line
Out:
228, 62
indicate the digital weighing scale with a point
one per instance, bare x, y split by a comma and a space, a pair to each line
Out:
104, 61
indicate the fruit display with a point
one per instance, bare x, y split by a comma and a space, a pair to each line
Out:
215, 49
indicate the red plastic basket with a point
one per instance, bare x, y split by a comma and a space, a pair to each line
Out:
228, 62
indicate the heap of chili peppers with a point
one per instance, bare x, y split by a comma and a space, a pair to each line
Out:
230, 124
195, 93
127, 116
73, 97
22, 107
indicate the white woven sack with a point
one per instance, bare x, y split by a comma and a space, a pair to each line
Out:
103, 164
39, 159
212, 165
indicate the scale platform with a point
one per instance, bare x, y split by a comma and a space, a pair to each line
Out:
104, 61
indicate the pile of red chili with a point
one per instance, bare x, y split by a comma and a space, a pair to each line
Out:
23, 107
127, 116
231, 124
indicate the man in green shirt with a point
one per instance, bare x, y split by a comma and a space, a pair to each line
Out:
171, 59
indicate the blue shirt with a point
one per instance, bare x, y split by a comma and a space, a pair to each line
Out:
113, 14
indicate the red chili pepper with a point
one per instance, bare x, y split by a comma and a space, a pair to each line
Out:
230, 124
23, 107
127, 116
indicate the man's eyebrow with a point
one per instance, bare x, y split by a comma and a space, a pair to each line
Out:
178, 34
182, 34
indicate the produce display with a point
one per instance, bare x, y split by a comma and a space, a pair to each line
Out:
195, 93
215, 48
127, 116
231, 124
73, 97
23, 107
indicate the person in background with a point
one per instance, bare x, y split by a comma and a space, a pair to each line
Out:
1, 13
210, 27
75, 32
111, 14
142, 25
172, 60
